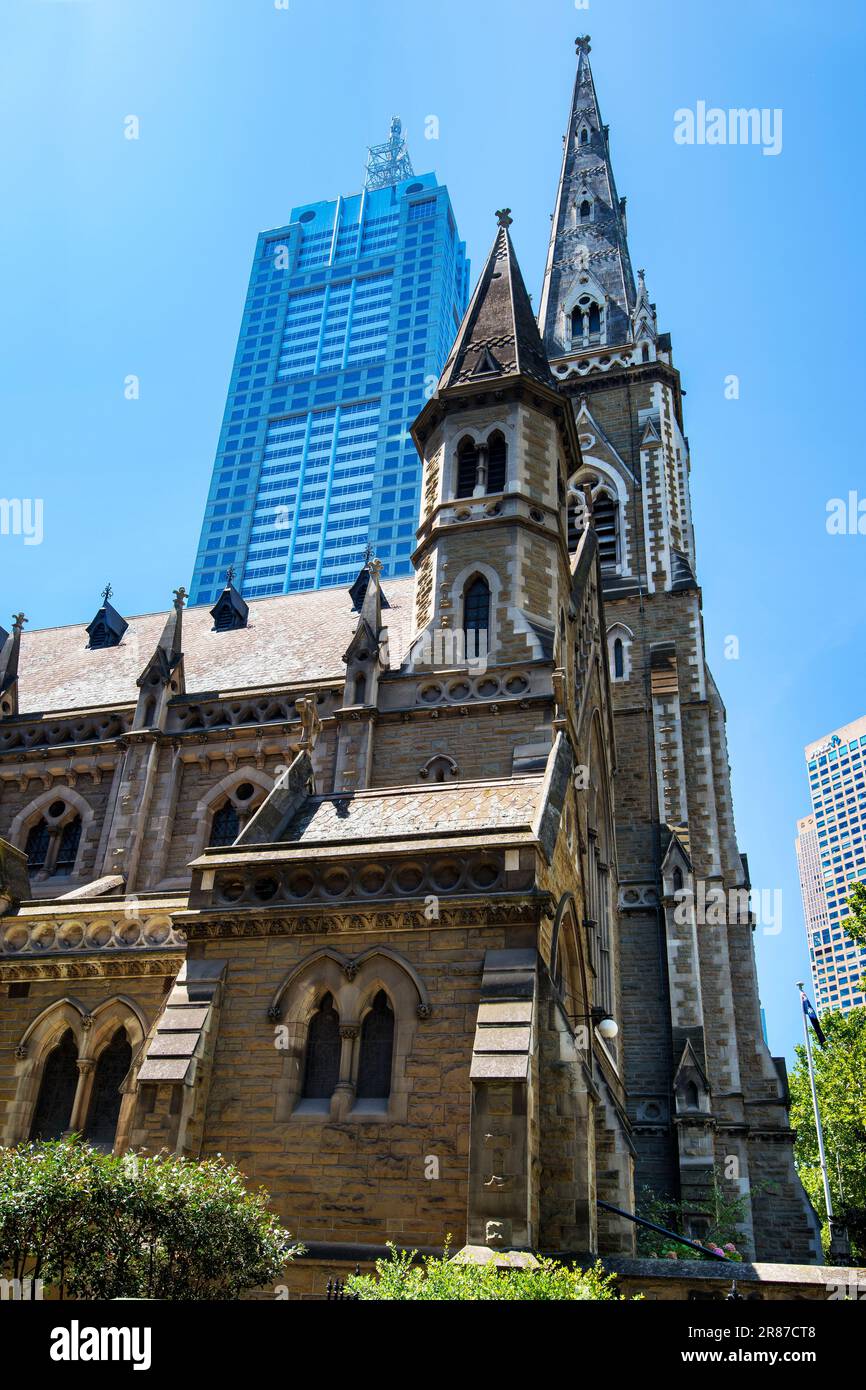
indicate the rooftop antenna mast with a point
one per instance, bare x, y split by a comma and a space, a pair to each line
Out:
389, 163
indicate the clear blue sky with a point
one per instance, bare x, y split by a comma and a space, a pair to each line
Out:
123, 257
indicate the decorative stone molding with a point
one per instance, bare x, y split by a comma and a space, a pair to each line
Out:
86, 934
360, 882
522, 911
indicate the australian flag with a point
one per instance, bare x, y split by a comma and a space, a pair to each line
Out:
813, 1019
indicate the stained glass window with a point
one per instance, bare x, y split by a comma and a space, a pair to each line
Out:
57, 1091
322, 1066
377, 1050
112, 1065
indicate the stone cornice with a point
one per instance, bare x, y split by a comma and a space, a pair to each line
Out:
98, 966
516, 911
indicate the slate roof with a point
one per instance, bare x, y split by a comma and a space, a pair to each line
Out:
498, 336
378, 814
289, 639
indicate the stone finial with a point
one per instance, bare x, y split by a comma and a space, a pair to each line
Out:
583, 45
18, 621
180, 597
503, 217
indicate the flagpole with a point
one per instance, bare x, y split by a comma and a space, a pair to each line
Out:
828, 1200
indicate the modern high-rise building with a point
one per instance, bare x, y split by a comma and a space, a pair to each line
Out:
831, 855
350, 312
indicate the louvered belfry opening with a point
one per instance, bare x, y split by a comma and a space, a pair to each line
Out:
604, 514
377, 1051
322, 1063
496, 455
467, 468
57, 1091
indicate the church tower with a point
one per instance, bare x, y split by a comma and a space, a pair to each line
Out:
498, 443
704, 1093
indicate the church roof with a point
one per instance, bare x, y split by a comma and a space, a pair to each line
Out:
290, 639
498, 336
376, 815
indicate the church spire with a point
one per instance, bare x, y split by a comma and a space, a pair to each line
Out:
498, 336
588, 264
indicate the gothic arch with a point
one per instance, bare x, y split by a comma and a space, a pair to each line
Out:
568, 961
225, 789
92, 1032
353, 983
458, 588
476, 435
33, 812
619, 658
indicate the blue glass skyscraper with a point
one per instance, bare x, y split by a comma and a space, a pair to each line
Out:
350, 313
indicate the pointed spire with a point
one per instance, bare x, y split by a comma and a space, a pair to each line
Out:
588, 234
644, 323
498, 336
168, 654
9, 667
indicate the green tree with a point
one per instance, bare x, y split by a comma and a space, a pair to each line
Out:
96, 1225
840, 1081
855, 925
403, 1278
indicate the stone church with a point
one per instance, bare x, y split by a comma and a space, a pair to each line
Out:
392, 895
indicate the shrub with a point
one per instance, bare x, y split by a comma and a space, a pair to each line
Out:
441, 1278
100, 1226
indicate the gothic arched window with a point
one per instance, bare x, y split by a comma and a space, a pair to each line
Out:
36, 846
604, 515
111, 1068
496, 454
70, 838
584, 136
377, 1051
322, 1063
467, 468
476, 606
678, 879
585, 210
360, 688
57, 1091
225, 826
52, 842
618, 659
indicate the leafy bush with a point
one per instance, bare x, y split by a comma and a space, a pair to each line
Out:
722, 1209
100, 1226
435, 1277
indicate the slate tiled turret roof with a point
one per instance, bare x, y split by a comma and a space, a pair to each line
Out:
498, 336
